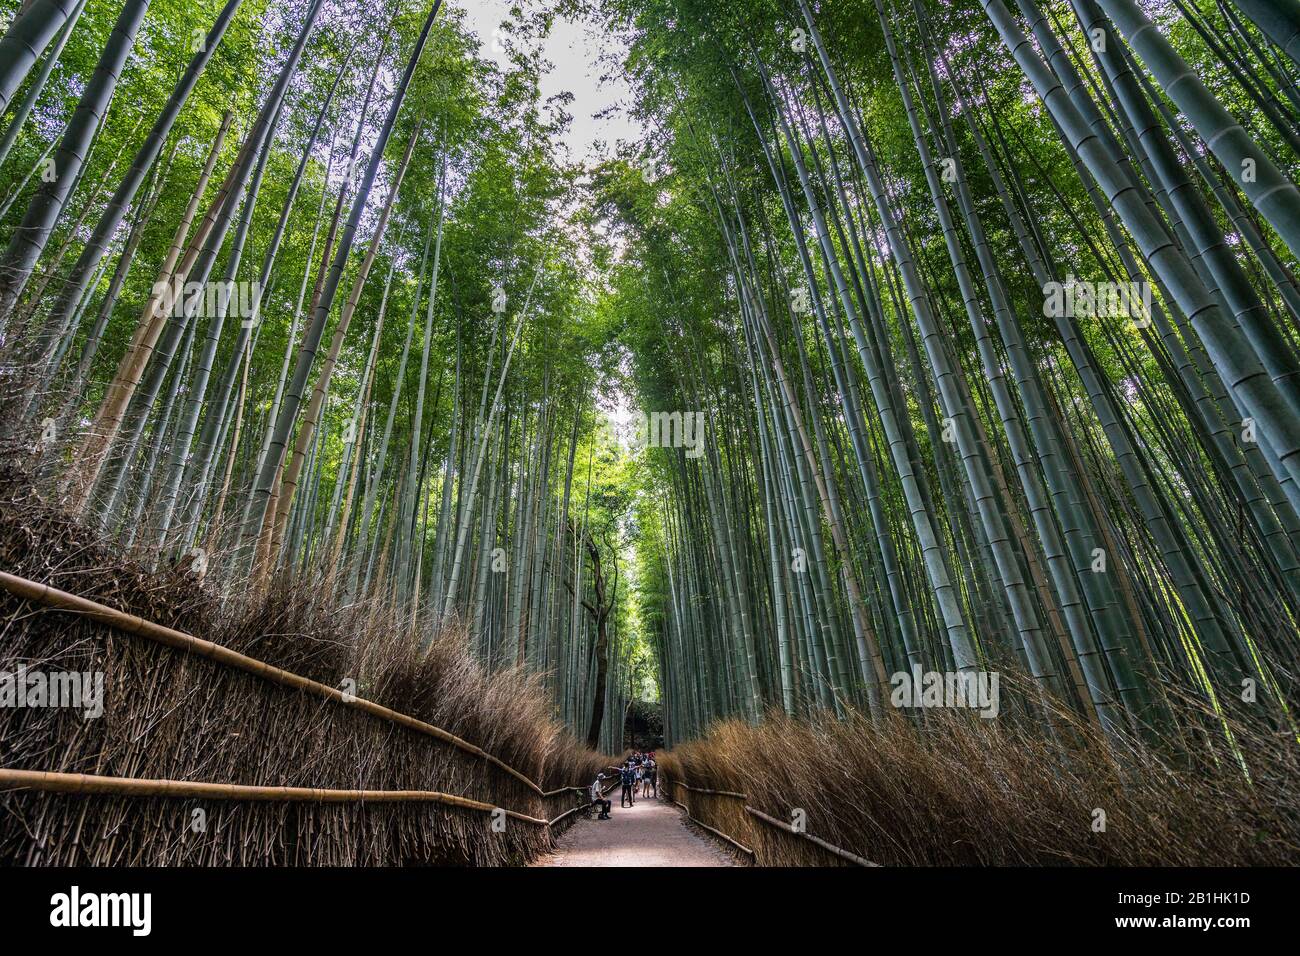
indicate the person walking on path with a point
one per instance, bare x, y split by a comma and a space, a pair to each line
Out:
629, 785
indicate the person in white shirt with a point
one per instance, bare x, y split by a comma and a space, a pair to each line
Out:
598, 798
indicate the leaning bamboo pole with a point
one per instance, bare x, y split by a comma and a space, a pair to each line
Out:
715, 793
718, 833
789, 828
53, 782
62, 600
760, 815
573, 810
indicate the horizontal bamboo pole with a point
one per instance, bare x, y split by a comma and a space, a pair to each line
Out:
780, 824
566, 813
716, 793
717, 833
52, 782
62, 600
556, 793
788, 828
580, 806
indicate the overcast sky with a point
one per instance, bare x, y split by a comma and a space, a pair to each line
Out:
573, 49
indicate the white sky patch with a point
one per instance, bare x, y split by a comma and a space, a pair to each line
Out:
601, 120
574, 49
623, 415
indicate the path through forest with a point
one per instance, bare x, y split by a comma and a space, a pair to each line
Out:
651, 833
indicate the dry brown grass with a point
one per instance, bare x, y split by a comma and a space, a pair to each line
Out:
962, 791
951, 791
176, 716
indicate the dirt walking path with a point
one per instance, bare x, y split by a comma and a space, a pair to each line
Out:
652, 833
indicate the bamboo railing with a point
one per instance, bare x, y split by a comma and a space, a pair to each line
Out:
825, 845
141, 787
764, 818
56, 782
90, 783
573, 810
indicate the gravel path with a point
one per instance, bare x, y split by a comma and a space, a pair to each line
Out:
652, 833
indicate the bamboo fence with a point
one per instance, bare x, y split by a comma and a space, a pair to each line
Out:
754, 813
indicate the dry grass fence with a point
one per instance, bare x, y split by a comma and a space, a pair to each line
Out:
970, 792
177, 716
953, 791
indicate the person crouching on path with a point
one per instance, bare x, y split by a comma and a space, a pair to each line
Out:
629, 785
598, 798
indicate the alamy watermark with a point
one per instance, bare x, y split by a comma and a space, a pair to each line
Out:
74, 908
976, 690
35, 688
206, 299
668, 430
1074, 298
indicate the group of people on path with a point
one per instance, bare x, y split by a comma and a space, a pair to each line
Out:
639, 775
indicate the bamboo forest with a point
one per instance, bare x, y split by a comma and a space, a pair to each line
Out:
850, 433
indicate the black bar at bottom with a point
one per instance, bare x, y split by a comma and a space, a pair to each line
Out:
578, 907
